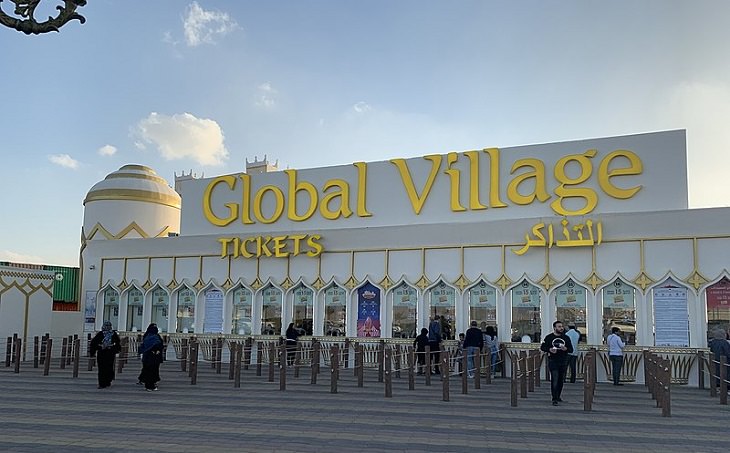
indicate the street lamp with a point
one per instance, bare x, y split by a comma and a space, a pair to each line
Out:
26, 8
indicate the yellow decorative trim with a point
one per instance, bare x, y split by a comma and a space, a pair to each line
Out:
547, 281
22, 274
386, 283
138, 167
503, 281
123, 284
154, 178
642, 280
287, 283
423, 282
696, 279
199, 284
319, 283
172, 285
256, 284
351, 283
228, 284
143, 196
594, 280
462, 282
147, 285
99, 228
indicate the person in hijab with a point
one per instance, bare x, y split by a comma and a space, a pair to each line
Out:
292, 335
105, 346
151, 351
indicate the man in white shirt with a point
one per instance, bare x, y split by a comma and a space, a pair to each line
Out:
616, 353
573, 356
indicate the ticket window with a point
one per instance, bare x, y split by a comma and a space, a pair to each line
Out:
186, 311
242, 309
443, 305
619, 310
335, 311
111, 307
271, 312
405, 322
135, 307
303, 318
570, 302
160, 309
483, 305
526, 316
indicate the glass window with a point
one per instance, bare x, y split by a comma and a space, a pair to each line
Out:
160, 308
443, 305
335, 311
111, 307
186, 311
671, 316
135, 307
303, 309
570, 301
405, 300
242, 303
483, 305
718, 307
271, 311
619, 310
526, 320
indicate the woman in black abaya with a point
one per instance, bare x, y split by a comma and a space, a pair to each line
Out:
105, 346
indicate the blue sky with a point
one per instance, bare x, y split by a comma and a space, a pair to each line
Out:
180, 85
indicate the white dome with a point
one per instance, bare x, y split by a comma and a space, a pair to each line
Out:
131, 202
134, 183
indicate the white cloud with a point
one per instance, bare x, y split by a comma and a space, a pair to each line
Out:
361, 107
14, 257
184, 136
107, 150
201, 26
266, 96
64, 160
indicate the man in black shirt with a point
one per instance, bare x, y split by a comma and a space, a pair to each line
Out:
473, 343
558, 346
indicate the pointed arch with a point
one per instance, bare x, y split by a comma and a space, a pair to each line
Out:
526, 299
401, 309
332, 303
367, 302
158, 299
440, 300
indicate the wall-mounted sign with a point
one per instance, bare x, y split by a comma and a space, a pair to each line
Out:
671, 318
368, 311
483, 295
526, 295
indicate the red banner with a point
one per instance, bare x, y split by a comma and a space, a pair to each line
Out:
718, 295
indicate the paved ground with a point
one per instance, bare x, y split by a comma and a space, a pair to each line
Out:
59, 414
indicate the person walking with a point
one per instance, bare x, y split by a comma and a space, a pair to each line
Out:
573, 356
491, 343
616, 354
719, 347
292, 335
473, 343
105, 346
558, 346
151, 351
434, 341
420, 344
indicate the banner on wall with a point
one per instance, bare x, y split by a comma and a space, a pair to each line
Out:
213, 322
368, 311
303, 296
334, 296
671, 318
90, 311
718, 295
442, 296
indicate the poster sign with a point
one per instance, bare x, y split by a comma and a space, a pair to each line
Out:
90, 311
483, 296
619, 295
570, 295
718, 295
442, 296
671, 319
526, 295
334, 295
368, 311
213, 321
405, 296
303, 296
